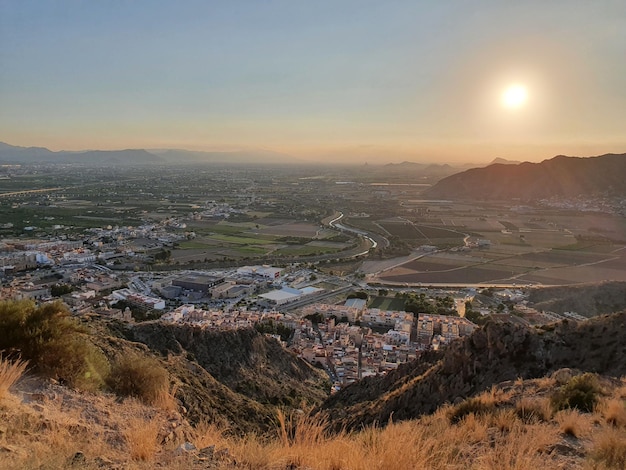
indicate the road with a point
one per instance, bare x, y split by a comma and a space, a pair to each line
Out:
375, 238
459, 285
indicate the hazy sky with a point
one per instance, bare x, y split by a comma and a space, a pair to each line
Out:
365, 80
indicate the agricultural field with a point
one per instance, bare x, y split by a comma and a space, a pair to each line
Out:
254, 240
417, 234
530, 246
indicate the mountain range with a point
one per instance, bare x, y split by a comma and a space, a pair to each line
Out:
560, 176
10, 154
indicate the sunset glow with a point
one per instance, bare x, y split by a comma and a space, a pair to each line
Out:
438, 82
515, 96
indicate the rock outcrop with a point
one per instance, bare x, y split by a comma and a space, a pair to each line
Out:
496, 353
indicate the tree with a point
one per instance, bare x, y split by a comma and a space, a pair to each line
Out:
52, 341
315, 318
58, 290
475, 317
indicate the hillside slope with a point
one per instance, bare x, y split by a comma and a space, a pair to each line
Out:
585, 299
244, 360
232, 378
496, 353
558, 177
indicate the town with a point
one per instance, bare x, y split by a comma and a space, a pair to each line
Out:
354, 275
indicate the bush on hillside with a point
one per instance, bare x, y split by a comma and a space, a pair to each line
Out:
141, 377
580, 392
52, 341
478, 406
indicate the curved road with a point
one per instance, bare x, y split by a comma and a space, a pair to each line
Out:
375, 238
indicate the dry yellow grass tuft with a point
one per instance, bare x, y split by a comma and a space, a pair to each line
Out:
141, 438
614, 411
572, 423
533, 410
209, 434
10, 373
165, 398
609, 449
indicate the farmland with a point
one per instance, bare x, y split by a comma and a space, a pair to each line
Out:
536, 246
219, 215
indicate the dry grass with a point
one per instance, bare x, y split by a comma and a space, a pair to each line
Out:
609, 449
572, 423
141, 438
130, 434
165, 398
10, 373
428, 443
614, 411
209, 434
533, 410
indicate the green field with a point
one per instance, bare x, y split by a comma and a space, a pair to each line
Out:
237, 240
387, 303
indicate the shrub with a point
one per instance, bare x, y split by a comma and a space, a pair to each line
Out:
52, 341
580, 392
478, 406
141, 377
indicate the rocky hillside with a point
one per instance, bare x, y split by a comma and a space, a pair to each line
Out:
560, 176
236, 378
496, 353
588, 300
499, 399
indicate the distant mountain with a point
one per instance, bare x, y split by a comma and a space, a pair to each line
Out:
421, 169
131, 157
111, 157
25, 155
504, 161
13, 154
560, 176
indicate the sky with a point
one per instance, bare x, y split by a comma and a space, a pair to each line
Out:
321, 80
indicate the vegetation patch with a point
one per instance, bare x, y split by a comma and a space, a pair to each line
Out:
141, 377
478, 406
581, 392
53, 342
387, 303
10, 372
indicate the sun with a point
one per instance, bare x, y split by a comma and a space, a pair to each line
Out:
515, 96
